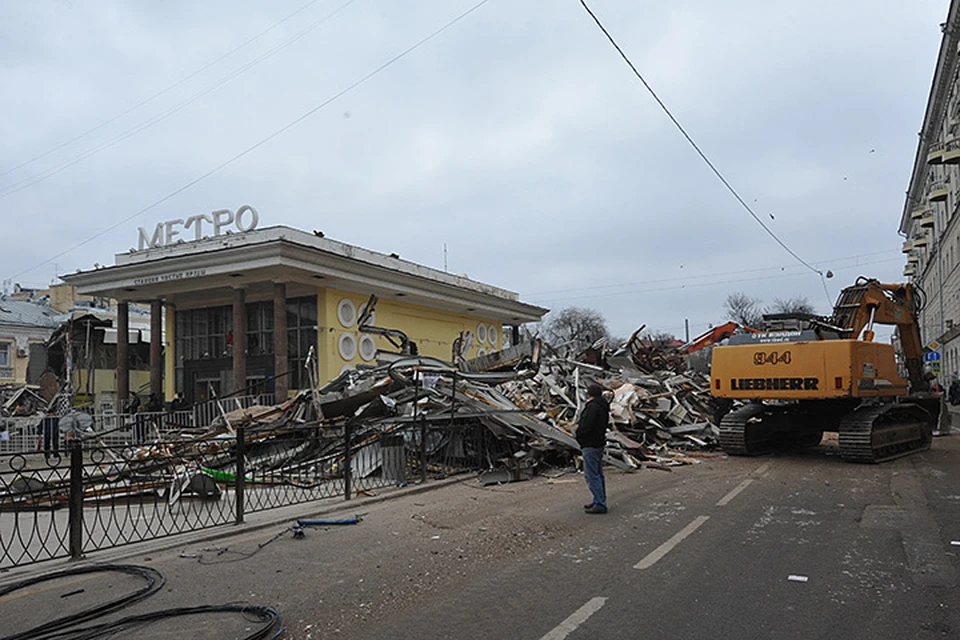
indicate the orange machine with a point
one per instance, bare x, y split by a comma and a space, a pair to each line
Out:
713, 336
823, 377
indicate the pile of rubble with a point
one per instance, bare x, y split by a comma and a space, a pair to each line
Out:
528, 397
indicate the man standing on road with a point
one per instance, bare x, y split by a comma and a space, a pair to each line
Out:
592, 436
50, 428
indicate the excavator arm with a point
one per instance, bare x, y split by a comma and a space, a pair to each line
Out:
870, 301
713, 336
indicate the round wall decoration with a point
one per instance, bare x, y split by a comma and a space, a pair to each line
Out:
346, 312
368, 347
347, 346
492, 335
482, 333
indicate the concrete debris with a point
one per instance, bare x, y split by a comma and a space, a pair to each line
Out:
405, 417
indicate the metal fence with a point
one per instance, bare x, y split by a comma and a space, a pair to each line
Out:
117, 429
91, 495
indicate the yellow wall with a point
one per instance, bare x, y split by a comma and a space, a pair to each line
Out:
105, 380
18, 363
433, 330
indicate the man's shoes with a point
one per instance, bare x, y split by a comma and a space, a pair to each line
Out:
594, 508
588, 506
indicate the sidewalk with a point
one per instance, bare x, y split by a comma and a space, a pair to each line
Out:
253, 522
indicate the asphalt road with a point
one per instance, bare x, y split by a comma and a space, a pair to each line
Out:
799, 546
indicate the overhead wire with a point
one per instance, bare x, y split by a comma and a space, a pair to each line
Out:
264, 140
703, 155
163, 91
29, 181
692, 285
710, 275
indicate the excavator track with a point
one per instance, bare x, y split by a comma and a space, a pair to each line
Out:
883, 432
738, 431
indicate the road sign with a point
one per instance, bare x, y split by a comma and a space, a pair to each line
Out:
935, 368
933, 345
932, 356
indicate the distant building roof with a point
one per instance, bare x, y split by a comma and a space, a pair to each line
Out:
29, 314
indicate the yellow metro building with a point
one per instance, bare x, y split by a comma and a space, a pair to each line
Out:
241, 310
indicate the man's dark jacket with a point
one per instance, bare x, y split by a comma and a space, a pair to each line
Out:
592, 429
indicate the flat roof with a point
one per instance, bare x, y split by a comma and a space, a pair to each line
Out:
204, 272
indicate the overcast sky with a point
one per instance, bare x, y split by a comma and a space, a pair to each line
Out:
517, 138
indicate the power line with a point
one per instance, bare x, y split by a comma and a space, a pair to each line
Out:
161, 92
267, 139
710, 275
700, 152
696, 284
29, 181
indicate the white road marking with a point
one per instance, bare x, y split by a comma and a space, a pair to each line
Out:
652, 557
734, 492
578, 617
762, 469
743, 485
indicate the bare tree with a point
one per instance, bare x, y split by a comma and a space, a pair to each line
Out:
743, 309
575, 328
800, 304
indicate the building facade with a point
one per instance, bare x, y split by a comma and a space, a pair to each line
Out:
929, 222
24, 329
263, 310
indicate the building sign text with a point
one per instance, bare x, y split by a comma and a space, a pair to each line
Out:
166, 233
167, 277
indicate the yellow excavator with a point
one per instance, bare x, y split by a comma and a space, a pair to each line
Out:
807, 374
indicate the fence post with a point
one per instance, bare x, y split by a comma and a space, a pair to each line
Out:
347, 459
453, 399
241, 479
423, 449
75, 519
423, 426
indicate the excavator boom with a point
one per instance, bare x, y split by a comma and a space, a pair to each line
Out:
713, 336
868, 302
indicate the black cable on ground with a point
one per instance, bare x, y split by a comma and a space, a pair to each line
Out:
235, 556
269, 618
154, 579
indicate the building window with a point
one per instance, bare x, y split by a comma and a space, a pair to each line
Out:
6, 359
207, 334
301, 335
260, 328
203, 334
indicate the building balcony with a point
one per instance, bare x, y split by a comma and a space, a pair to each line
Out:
907, 246
919, 242
909, 270
938, 191
951, 152
913, 258
935, 153
927, 221
918, 213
